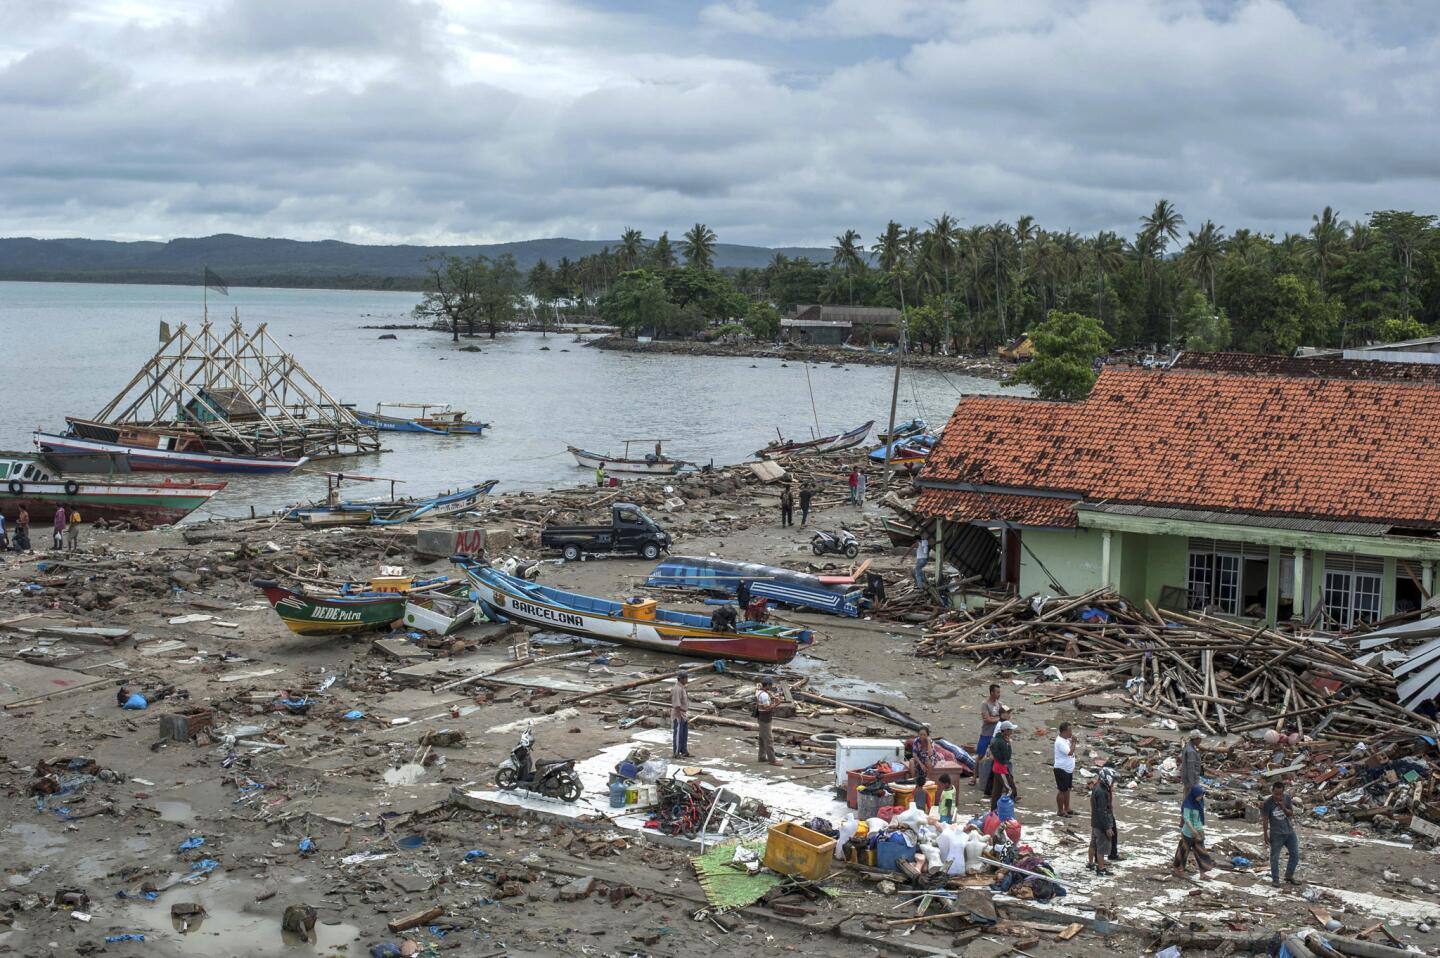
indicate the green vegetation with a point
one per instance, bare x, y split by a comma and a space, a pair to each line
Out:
1066, 348
471, 292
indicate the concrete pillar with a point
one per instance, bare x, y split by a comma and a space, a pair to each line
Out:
937, 551
1301, 606
1105, 537
1427, 576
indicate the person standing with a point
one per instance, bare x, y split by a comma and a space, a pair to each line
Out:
1191, 764
4, 535
680, 716
922, 759
764, 717
945, 800
787, 507
1002, 772
72, 532
600, 475
854, 481
922, 556
1192, 833
1064, 769
1277, 824
859, 488
992, 712
58, 540
22, 530
807, 492
1102, 818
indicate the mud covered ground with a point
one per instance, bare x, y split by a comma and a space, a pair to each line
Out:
392, 821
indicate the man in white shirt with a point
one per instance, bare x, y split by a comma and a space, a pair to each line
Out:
1064, 769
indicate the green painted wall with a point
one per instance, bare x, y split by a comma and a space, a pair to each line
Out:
1071, 555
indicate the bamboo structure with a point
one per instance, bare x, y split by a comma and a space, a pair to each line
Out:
241, 394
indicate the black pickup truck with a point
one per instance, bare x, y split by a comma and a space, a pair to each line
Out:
630, 530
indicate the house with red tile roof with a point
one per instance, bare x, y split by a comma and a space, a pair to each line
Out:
1245, 493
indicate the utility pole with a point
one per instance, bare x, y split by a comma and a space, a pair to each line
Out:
894, 394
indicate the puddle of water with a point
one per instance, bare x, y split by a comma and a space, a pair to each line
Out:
175, 811
34, 840
408, 774
233, 925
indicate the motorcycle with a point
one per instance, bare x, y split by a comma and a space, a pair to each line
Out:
553, 779
844, 541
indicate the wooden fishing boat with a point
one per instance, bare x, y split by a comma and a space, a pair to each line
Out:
314, 613
334, 511
436, 419
799, 589
440, 612
901, 533
781, 448
656, 463
637, 623
904, 430
159, 450
32, 481
908, 453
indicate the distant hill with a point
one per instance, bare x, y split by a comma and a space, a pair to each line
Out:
247, 260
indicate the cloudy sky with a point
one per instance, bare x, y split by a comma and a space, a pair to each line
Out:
776, 122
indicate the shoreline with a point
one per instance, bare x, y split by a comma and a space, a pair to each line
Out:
984, 367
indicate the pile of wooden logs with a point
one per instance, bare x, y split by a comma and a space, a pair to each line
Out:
1197, 670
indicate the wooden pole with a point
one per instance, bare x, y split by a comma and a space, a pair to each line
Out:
894, 397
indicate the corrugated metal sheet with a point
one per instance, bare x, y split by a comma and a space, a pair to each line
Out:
1290, 523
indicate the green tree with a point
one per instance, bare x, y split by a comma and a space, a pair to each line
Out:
500, 287
713, 295
1204, 327
698, 247
1300, 315
1399, 330
1202, 256
637, 301
452, 296
763, 322
925, 326
1326, 249
662, 254
1066, 347
541, 283
632, 248
849, 256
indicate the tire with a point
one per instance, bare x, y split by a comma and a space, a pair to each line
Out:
851, 551
72, 488
570, 788
505, 779
571, 553
817, 548
650, 551
16, 487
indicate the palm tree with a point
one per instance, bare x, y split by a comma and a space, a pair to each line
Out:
1107, 251
632, 248
850, 254
1000, 241
1327, 243
889, 247
1025, 234
1202, 255
1163, 224
698, 246
946, 232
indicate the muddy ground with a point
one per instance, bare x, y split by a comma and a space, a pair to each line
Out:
391, 826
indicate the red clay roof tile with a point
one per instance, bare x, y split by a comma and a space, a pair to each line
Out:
980, 506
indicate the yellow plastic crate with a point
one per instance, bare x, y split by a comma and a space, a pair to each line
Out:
792, 849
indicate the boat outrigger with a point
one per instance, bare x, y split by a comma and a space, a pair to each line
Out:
782, 447
334, 511
634, 622
655, 463
442, 421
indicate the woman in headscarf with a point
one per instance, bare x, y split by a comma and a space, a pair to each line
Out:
1192, 833
1102, 819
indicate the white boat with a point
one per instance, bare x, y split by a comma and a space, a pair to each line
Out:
439, 612
654, 464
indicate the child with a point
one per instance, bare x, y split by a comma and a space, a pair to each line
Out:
947, 800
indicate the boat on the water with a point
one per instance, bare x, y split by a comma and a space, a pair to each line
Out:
334, 511
798, 589
635, 622
152, 449
436, 419
655, 463
367, 610
782, 447
33, 481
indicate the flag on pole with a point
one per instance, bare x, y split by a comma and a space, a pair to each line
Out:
213, 281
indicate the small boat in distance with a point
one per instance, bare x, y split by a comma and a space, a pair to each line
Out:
31, 480
655, 463
154, 449
443, 421
637, 622
334, 511
782, 447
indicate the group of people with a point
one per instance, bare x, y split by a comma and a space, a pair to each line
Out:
66, 531
787, 502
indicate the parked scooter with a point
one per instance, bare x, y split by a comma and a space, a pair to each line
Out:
844, 541
553, 779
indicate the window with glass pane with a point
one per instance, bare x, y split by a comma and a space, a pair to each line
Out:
1227, 584
1337, 597
1199, 581
1366, 601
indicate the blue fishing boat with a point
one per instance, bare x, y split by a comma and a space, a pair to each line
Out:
904, 430
334, 511
798, 589
906, 452
436, 419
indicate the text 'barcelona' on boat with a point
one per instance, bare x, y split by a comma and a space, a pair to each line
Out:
814, 447
436, 419
637, 623
31, 481
372, 609
653, 463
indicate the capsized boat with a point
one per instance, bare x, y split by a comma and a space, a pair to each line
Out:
150, 449
636, 622
781, 448
34, 482
655, 463
334, 511
317, 613
437, 419
798, 589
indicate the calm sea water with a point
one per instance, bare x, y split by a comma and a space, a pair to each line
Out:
69, 347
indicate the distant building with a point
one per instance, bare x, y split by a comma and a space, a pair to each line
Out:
1260, 493
831, 325
1423, 350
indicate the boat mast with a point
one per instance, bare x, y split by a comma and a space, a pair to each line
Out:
894, 394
